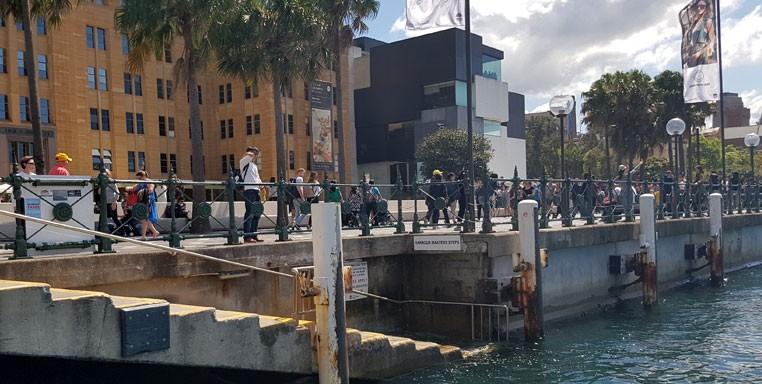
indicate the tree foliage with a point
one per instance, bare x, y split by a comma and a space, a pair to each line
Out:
446, 150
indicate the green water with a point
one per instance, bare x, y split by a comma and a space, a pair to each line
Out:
696, 334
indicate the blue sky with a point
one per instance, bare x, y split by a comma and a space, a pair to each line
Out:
562, 46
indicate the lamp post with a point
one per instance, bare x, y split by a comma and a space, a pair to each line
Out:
562, 106
675, 128
751, 141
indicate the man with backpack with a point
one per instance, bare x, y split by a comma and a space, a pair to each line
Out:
249, 176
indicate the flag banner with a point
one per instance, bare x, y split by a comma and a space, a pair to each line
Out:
701, 70
425, 14
321, 100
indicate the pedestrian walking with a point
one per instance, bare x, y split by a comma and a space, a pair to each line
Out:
250, 178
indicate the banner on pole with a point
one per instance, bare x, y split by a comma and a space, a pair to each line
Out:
425, 14
321, 100
701, 69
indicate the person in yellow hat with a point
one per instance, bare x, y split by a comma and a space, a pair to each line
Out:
62, 165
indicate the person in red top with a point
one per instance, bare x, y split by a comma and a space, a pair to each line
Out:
62, 165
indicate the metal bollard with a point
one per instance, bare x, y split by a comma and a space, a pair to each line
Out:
104, 244
20, 250
416, 219
364, 214
281, 222
530, 267
400, 220
330, 307
230, 188
716, 260
647, 255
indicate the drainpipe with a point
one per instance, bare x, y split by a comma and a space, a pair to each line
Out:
647, 255
716, 261
530, 265
330, 310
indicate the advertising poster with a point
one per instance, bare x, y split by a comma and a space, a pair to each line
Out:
321, 100
701, 69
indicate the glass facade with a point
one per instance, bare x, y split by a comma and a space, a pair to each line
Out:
491, 67
445, 94
492, 128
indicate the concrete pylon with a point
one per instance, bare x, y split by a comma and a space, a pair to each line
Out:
716, 259
330, 308
530, 266
648, 249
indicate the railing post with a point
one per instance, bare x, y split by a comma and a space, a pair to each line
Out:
687, 197
662, 197
104, 244
566, 219
699, 198
400, 219
469, 225
515, 191
756, 195
629, 214
748, 196
543, 201
19, 245
281, 222
416, 219
230, 190
589, 200
487, 222
648, 250
365, 231
675, 192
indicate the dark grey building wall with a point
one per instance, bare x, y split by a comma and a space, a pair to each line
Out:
516, 107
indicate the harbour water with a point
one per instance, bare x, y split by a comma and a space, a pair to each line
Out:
696, 334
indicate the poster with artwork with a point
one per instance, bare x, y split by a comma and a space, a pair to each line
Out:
701, 68
321, 100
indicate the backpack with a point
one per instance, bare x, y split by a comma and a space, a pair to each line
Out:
239, 175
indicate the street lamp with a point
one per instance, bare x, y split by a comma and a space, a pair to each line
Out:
751, 141
561, 106
675, 128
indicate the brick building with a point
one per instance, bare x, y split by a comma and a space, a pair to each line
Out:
91, 102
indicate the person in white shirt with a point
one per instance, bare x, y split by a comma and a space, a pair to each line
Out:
250, 176
299, 199
28, 168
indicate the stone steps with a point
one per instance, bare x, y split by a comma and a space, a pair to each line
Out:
36, 319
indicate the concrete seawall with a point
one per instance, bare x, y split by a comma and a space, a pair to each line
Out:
577, 278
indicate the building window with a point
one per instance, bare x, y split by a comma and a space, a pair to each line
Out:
172, 162
127, 84
291, 164
141, 160
223, 131
94, 119
102, 79
169, 89
168, 55
4, 111
19, 26
91, 77
125, 45
200, 99
307, 127
24, 114
290, 124
42, 64
96, 156
162, 126
230, 128
171, 126
492, 128
335, 129
3, 68
139, 123
229, 89
224, 168
19, 149
138, 86
131, 161
222, 94
20, 62
101, 39
44, 111
249, 126
2, 21
163, 162
254, 90
160, 88
105, 120
89, 36
129, 119
257, 125
306, 91
247, 92
41, 30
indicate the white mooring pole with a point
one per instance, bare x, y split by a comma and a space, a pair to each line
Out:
648, 249
716, 259
330, 310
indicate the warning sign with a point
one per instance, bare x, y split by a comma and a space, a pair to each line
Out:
359, 279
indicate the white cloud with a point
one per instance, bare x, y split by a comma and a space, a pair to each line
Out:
753, 100
742, 39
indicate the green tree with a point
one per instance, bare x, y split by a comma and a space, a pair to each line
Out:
543, 147
153, 26
344, 19
446, 150
624, 100
275, 40
23, 11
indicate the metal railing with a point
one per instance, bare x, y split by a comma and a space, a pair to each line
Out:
365, 207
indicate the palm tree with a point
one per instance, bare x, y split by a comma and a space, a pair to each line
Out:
275, 40
153, 25
344, 19
23, 10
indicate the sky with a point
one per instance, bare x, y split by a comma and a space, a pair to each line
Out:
555, 47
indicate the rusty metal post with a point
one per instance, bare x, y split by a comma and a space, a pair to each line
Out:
716, 260
330, 309
531, 270
648, 249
